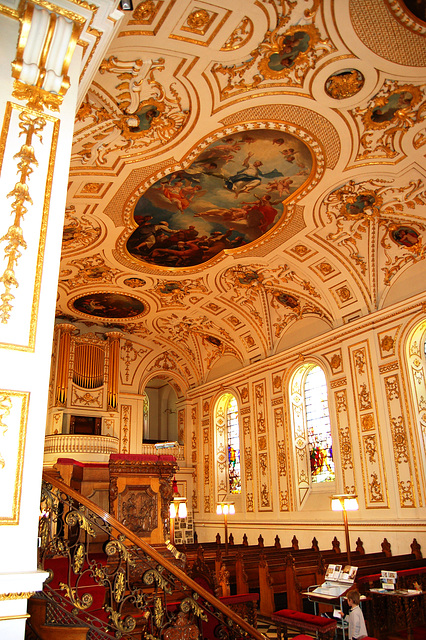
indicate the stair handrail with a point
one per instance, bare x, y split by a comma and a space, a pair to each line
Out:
152, 552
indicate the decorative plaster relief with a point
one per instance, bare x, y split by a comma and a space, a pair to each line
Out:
264, 481
372, 462
13, 426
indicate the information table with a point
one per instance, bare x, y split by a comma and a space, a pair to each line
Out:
397, 610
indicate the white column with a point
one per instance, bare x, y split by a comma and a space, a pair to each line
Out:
38, 100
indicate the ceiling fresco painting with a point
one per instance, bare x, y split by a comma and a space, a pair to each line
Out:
229, 196
246, 177
109, 305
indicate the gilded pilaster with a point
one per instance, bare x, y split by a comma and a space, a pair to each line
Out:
62, 372
264, 482
374, 476
113, 370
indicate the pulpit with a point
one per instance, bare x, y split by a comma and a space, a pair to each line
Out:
140, 493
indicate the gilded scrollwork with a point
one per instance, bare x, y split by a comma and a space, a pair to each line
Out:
173, 292
90, 270
284, 502
240, 35
282, 459
399, 440
360, 211
146, 114
391, 113
251, 285
79, 231
285, 56
199, 332
364, 398
376, 493
370, 447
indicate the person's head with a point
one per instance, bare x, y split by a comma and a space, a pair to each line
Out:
353, 597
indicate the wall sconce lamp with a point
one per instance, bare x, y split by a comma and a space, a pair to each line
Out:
345, 503
225, 508
177, 509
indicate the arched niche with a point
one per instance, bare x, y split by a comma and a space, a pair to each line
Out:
160, 412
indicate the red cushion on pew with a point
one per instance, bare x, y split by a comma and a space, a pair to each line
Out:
299, 616
411, 572
302, 637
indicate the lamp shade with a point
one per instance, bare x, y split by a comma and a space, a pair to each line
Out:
182, 510
344, 503
172, 510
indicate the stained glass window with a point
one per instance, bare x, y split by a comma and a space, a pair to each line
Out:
318, 426
233, 427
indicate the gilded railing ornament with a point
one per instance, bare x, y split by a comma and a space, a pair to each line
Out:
133, 585
190, 604
154, 576
74, 518
79, 603
115, 546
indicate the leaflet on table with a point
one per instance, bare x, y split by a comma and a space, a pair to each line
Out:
388, 579
340, 573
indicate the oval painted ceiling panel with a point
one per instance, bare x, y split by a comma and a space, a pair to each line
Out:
230, 195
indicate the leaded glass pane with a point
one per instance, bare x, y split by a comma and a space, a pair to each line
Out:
318, 426
234, 468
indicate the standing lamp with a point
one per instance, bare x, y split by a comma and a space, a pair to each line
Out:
177, 509
345, 503
225, 508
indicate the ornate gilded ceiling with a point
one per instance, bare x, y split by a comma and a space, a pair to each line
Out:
246, 177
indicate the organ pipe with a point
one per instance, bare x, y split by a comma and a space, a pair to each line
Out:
63, 363
89, 365
113, 371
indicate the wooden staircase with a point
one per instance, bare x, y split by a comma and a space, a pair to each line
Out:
37, 608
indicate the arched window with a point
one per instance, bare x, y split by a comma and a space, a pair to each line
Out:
233, 428
311, 427
318, 426
227, 446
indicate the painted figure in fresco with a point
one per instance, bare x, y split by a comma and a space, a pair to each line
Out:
229, 195
396, 102
287, 300
291, 46
362, 201
282, 186
109, 305
248, 178
145, 117
180, 193
405, 236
